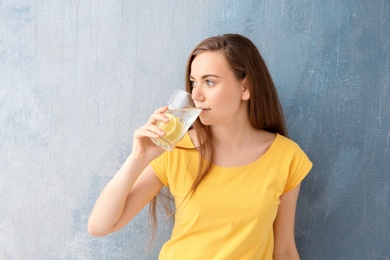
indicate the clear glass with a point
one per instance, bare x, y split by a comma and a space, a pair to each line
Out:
181, 113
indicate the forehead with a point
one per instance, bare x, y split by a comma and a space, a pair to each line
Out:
209, 63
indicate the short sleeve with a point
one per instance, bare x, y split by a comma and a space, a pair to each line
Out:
167, 166
299, 167
159, 166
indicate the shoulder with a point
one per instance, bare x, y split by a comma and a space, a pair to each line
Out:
290, 152
261, 142
286, 142
286, 150
265, 137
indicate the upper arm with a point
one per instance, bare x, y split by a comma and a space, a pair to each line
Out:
284, 245
145, 189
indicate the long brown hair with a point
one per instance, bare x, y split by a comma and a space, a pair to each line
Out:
264, 108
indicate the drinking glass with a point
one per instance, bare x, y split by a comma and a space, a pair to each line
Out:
181, 114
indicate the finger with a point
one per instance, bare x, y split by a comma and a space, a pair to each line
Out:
157, 117
149, 130
161, 110
154, 129
142, 133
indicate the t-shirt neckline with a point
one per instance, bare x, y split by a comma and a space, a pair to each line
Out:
187, 140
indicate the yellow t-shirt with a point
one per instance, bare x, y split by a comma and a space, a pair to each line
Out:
231, 213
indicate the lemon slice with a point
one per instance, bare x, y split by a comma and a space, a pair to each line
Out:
172, 128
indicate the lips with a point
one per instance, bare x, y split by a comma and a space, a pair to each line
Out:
204, 110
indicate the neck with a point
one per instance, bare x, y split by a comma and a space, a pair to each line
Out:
232, 136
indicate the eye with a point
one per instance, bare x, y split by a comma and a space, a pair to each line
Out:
192, 83
209, 82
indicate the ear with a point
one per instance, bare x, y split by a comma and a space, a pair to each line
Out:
245, 90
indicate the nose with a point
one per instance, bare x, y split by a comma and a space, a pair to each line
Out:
197, 94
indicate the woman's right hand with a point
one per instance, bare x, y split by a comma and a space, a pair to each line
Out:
143, 147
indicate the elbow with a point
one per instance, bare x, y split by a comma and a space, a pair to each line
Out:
96, 230
93, 231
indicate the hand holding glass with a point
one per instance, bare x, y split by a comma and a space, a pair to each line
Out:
181, 114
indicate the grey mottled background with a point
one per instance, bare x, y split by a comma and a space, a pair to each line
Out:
78, 77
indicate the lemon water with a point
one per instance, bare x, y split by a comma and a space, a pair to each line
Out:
180, 120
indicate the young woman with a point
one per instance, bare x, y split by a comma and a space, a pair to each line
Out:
234, 177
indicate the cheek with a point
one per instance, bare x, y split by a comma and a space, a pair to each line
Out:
232, 97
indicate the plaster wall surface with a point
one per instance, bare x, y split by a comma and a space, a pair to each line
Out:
78, 77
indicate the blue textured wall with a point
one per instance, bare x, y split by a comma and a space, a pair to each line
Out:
78, 77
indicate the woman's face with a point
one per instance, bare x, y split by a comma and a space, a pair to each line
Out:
217, 91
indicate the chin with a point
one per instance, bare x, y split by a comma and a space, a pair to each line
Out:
205, 121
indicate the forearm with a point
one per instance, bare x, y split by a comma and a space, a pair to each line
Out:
111, 202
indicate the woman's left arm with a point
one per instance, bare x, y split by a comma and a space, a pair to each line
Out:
284, 246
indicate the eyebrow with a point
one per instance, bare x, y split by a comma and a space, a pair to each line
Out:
206, 76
